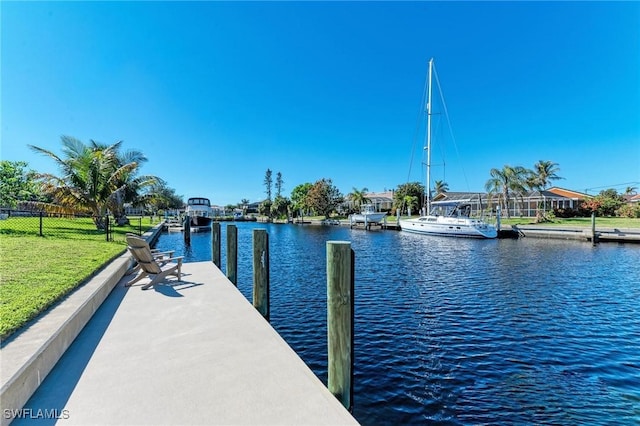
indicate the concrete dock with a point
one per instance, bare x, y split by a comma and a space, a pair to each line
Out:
631, 235
189, 352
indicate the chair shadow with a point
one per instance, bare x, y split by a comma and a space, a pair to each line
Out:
172, 288
169, 287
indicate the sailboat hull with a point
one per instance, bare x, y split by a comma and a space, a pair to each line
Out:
449, 227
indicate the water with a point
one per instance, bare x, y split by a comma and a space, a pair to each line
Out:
457, 331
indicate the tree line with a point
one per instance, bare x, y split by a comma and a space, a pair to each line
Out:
323, 198
504, 186
98, 178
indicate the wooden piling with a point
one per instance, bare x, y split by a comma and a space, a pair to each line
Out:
594, 236
187, 230
261, 271
340, 312
215, 243
232, 254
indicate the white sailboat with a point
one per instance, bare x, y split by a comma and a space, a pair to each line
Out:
452, 220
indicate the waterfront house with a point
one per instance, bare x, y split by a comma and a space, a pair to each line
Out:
547, 200
524, 205
383, 201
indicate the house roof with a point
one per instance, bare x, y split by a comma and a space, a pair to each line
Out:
386, 196
458, 196
567, 193
556, 193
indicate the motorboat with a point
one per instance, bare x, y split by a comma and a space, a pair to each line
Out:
368, 215
200, 213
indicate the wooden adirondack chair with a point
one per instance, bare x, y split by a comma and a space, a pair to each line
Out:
162, 257
157, 270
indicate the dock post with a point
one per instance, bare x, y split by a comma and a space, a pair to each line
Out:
594, 237
498, 219
261, 272
187, 230
232, 254
215, 243
340, 304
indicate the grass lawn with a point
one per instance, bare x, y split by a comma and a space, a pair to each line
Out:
36, 272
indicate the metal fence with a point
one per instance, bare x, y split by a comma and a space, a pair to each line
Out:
62, 225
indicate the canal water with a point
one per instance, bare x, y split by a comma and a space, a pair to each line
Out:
460, 331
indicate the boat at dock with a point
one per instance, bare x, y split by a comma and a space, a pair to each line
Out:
200, 213
445, 219
368, 215
450, 220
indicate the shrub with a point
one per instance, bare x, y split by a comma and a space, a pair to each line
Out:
629, 210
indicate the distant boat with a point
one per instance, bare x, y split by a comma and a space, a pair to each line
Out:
452, 219
200, 213
368, 215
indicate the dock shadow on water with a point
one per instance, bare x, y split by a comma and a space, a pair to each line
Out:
461, 331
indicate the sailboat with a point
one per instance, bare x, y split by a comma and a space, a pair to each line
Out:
451, 219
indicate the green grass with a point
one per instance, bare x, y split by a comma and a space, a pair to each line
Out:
36, 272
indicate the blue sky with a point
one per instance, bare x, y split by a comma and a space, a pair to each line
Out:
214, 93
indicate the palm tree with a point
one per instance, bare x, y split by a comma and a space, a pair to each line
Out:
631, 190
540, 178
440, 187
91, 176
411, 202
359, 197
244, 203
544, 172
506, 181
130, 187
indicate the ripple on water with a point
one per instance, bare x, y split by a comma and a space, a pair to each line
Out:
455, 331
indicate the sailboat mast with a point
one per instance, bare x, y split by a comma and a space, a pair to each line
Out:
428, 147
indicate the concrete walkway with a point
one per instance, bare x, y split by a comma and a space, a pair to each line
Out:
182, 353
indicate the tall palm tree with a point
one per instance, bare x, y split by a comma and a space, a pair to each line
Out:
631, 190
539, 179
90, 176
440, 187
506, 181
544, 172
359, 197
